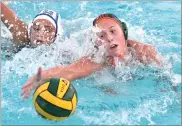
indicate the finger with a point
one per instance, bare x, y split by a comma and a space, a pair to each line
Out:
23, 92
26, 85
155, 58
39, 74
26, 95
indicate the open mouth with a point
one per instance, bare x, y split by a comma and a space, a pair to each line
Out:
39, 41
113, 46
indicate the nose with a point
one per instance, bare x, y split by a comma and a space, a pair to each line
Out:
39, 36
40, 33
109, 38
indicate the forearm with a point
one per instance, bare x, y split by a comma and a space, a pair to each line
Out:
8, 17
57, 72
79, 69
62, 71
17, 27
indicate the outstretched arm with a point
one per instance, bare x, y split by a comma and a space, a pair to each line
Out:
17, 27
79, 69
145, 52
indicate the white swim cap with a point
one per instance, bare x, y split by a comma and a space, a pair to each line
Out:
54, 18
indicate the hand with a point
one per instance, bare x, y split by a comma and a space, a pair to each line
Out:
147, 53
31, 84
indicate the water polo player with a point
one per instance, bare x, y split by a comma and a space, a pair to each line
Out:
45, 27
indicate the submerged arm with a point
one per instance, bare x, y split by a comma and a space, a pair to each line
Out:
145, 52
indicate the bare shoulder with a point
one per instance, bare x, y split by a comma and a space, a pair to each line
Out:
133, 43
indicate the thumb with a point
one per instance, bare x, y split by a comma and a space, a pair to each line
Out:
39, 74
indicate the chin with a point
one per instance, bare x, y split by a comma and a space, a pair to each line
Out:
33, 44
115, 53
112, 54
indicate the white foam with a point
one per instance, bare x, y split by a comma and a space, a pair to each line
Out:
176, 79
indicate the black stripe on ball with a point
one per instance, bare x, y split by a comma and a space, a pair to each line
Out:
75, 94
69, 94
53, 86
52, 109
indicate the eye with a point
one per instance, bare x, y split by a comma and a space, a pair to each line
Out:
113, 31
36, 27
102, 35
48, 29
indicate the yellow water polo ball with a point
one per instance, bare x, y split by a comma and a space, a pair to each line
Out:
55, 99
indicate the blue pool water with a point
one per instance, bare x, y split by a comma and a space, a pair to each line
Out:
146, 95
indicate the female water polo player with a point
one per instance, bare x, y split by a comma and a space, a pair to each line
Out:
114, 37
45, 27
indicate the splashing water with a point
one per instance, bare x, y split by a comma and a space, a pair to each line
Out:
129, 95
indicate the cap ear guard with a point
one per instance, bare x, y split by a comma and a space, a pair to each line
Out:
125, 29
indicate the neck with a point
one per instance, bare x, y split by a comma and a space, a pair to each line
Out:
123, 54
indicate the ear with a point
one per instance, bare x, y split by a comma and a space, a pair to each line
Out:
126, 42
